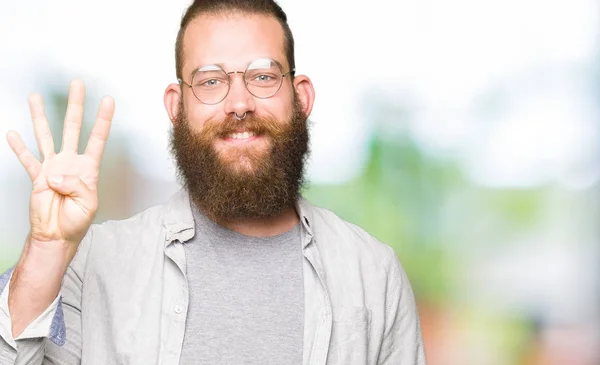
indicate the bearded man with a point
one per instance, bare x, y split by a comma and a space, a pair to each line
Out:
237, 268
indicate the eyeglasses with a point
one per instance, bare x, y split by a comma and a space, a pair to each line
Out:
263, 78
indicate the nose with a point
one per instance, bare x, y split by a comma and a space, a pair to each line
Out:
239, 101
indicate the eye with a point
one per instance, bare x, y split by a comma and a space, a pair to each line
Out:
211, 82
263, 78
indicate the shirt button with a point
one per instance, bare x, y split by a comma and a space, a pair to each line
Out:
178, 309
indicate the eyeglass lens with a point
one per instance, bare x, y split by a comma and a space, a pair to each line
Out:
262, 78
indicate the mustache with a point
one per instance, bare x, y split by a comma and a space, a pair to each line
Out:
252, 123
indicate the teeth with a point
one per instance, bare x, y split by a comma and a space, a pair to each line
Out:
244, 135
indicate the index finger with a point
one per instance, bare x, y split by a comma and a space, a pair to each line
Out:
101, 129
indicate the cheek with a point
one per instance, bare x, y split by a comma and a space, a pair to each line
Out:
278, 107
198, 114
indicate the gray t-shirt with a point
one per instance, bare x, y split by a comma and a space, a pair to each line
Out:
246, 297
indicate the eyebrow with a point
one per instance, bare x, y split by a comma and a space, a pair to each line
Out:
279, 64
223, 66
194, 70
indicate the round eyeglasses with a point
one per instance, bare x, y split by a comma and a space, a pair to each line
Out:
263, 78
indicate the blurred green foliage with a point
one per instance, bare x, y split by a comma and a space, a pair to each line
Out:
397, 199
8, 256
425, 209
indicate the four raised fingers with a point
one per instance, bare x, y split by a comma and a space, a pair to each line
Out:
72, 129
73, 117
101, 129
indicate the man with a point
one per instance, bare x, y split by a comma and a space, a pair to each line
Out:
237, 267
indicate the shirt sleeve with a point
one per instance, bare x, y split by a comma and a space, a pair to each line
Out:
403, 340
44, 341
48, 325
39, 328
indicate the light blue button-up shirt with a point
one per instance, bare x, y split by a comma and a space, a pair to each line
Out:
124, 297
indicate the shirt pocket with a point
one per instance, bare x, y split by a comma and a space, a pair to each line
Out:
349, 342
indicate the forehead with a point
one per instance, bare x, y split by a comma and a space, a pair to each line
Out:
232, 40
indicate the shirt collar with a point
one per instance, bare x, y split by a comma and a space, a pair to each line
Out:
304, 210
179, 219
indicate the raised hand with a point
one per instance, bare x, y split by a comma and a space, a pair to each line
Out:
62, 206
64, 199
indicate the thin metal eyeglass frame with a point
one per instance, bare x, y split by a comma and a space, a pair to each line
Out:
245, 83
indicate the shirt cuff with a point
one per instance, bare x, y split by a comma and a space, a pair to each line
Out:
50, 324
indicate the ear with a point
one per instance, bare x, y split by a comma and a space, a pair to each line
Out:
171, 100
306, 92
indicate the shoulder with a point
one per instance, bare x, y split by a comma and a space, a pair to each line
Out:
336, 236
144, 233
176, 212
147, 220
109, 246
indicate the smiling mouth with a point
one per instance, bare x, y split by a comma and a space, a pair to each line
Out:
240, 135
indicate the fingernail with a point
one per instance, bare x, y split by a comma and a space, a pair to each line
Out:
57, 179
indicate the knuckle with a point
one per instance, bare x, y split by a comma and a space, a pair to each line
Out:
72, 124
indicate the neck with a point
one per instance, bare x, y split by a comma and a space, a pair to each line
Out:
263, 227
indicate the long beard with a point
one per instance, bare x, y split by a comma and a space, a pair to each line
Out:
242, 183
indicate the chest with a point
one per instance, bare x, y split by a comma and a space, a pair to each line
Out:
142, 315
242, 301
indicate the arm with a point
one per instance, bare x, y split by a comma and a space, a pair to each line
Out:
69, 352
55, 336
402, 341
63, 203
48, 332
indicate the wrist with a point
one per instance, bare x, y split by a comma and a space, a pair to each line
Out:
44, 261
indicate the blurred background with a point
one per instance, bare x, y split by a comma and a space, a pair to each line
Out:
465, 134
